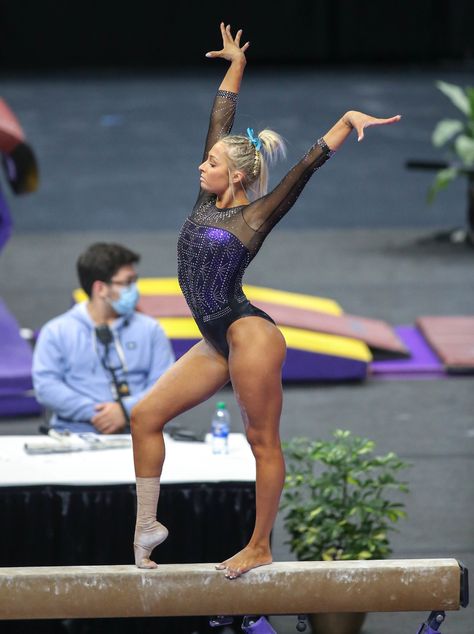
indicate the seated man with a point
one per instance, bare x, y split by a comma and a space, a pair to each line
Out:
94, 362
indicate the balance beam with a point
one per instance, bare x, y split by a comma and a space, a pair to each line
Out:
397, 585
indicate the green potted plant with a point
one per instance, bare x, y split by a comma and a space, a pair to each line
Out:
458, 136
338, 504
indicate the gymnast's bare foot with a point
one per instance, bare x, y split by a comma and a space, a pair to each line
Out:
248, 558
145, 541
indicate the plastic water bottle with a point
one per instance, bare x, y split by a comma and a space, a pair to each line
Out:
220, 427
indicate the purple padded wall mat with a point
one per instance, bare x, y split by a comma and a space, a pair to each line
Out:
5, 221
423, 361
301, 365
15, 369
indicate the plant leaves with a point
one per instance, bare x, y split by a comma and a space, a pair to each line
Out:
367, 447
465, 149
456, 95
442, 180
470, 96
380, 536
336, 500
445, 130
315, 512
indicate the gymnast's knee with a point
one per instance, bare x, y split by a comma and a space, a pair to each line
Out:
262, 444
145, 419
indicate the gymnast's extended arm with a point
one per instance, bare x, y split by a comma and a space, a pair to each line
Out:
264, 213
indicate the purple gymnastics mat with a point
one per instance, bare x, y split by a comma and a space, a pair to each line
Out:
423, 362
16, 386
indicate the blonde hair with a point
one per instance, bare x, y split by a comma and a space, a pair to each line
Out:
242, 155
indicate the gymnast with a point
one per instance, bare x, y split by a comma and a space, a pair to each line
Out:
232, 216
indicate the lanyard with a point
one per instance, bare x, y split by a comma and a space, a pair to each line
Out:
118, 350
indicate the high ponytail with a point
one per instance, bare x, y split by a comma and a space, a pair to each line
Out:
252, 155
273, 148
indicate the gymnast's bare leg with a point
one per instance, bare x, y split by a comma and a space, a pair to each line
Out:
195, 377
257, 352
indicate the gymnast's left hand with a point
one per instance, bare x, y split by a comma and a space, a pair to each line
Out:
360, 121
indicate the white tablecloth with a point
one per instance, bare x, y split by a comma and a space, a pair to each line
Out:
185, 462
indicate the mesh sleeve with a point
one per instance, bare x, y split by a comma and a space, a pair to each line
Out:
263, 214
220, 124
222, 118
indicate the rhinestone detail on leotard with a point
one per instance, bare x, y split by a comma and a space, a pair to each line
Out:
211, 263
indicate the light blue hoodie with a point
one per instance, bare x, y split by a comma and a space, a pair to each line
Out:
68, 375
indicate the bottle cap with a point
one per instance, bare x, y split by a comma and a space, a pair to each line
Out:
221, 405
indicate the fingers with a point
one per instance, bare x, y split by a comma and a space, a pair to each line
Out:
385, 121
236, 40
372, 121
101, 428
105, 427
223, 32
102, 419
102, 410
99, 423
359, 126
230, 45
226, 32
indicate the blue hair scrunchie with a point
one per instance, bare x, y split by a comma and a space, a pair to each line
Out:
256, 142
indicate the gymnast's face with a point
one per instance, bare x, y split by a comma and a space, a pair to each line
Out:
214, 172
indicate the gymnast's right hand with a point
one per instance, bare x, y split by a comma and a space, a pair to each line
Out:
231, 49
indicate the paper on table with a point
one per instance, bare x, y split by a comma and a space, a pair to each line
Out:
185, 462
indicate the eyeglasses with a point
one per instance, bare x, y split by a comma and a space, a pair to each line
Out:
128, 282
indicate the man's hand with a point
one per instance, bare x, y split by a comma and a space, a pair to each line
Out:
109, 419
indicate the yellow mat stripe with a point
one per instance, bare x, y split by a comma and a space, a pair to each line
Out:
180, 327
321, 343
333, 345
296, 300
170, 286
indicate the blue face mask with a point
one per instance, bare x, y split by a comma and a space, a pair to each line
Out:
128, 300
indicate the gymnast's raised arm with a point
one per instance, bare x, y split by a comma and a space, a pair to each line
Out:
225, 102
265, 212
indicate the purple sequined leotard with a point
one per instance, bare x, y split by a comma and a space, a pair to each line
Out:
215, 246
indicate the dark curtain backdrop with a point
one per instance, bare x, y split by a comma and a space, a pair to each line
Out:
52, 34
